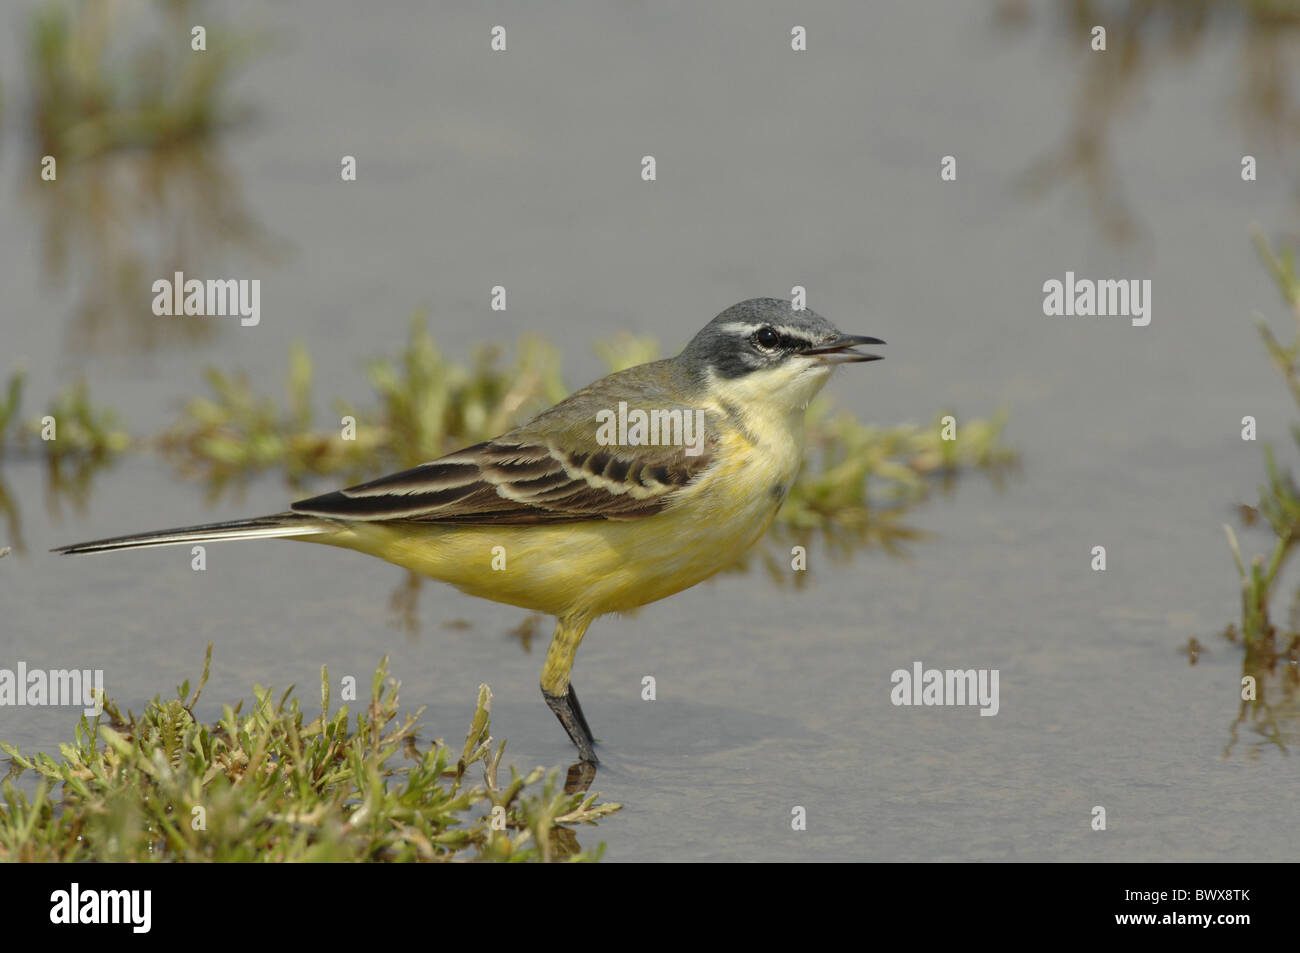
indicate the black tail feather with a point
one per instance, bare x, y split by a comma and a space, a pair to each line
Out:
276, 526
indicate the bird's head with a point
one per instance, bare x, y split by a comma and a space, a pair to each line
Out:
763, 350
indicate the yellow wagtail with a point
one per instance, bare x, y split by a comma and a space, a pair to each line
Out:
591, 517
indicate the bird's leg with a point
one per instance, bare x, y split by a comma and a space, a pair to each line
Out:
581, 737
577, 710
557, 690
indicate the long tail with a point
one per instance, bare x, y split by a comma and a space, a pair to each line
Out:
269, 527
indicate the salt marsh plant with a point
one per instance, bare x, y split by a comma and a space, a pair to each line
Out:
1272, 655
272, 784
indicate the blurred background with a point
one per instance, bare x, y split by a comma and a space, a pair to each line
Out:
774, 169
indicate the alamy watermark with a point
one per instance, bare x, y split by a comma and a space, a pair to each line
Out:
1128, 297
653, 428
216, 297
53, 688
946, 687
130, 907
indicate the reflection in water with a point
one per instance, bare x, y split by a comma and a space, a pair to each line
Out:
116, 224
404, 604
89, 440
68, 478
1267, 103
13, 526
1140, 36
125, 117
579, 778
76, 440
526, 629
1270, 704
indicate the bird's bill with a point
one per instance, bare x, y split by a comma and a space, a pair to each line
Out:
840, 351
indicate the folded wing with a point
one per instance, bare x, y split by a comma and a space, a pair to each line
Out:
507, 482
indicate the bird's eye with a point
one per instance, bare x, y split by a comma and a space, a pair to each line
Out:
767, 339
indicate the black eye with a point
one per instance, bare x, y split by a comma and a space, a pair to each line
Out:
767, 339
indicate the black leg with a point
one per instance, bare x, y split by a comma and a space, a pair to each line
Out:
577, 711
570, 715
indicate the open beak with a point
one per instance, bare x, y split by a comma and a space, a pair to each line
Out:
840, 351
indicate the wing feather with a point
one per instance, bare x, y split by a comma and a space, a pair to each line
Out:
551, 470
508, 482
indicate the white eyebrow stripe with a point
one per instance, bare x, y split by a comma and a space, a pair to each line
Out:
744, 327
799, 334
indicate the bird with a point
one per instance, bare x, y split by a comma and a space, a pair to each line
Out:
575, 517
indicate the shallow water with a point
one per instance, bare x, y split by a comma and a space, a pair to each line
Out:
775, 169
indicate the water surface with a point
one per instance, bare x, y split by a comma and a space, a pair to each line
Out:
775, 169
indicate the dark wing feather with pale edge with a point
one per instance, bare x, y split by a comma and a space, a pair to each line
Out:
497, 482
551, 470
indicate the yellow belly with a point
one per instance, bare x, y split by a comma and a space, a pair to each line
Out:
596, 567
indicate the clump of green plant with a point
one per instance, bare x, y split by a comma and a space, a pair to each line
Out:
859, 482
851, 462
430, 405
269, 785
107, 77
80, 426
1267, 650
427, 406
1279, 499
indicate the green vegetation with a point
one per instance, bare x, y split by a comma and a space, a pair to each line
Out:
426, 406
1269, 652
80, 426
107, 78
267, 785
